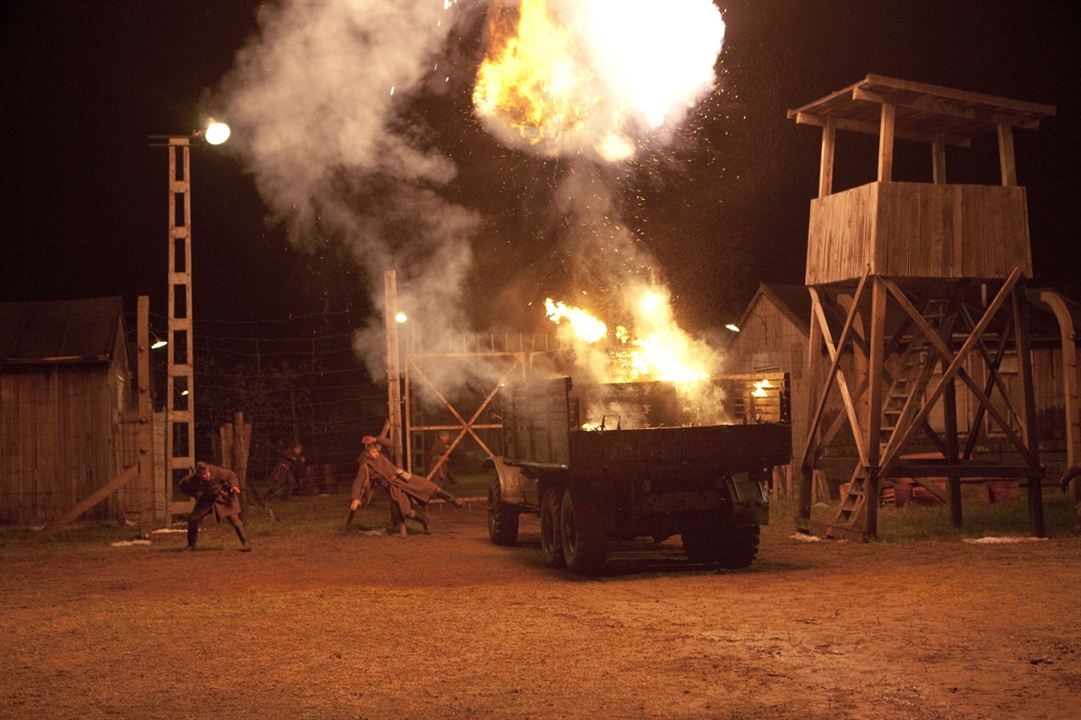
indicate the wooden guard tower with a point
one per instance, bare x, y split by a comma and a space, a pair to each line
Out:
917, 292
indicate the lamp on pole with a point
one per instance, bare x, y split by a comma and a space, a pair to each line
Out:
180, 373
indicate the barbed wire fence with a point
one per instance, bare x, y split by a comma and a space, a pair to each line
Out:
296, 379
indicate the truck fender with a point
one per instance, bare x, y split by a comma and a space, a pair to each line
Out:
511, 482
749, 496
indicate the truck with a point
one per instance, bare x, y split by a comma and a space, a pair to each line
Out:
600, 463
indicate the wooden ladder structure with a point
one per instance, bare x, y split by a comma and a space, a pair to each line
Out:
180, 373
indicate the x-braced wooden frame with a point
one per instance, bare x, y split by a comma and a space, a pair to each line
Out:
886, 408
518, 362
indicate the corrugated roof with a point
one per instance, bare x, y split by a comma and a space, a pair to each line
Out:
59, 331
922, 111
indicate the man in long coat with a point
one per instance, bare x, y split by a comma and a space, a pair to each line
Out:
403, 488
216, 490
441, 447
283, 478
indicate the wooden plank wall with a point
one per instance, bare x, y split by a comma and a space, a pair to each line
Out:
918, 230
58, 427
770, 339
839, 235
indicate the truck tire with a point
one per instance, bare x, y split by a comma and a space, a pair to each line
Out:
551, 539
502, 517
585, 541
739, 546
701, 542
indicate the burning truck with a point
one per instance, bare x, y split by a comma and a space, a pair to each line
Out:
615, 461
652, 449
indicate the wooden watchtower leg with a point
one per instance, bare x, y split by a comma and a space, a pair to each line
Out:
1028, 410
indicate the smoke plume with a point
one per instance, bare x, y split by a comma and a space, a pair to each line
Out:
320, 105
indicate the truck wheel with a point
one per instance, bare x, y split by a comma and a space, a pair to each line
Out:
585, 542
739, 546
502, 517
701, 542
551, 542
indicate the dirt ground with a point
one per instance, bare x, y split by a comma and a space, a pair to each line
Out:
318, 623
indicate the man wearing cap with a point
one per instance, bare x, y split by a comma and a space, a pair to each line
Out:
402, 487
214, 488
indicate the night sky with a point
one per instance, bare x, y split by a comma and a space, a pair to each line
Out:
82, 206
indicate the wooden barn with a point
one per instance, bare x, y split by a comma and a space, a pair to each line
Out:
65, 392
774, 332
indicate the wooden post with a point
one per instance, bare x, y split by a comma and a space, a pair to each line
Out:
1007, 165
954, 481
806, 469
241, 435
885, 143
1028, 410
146, 438
394, 390
938, 160
825, 170
874, 405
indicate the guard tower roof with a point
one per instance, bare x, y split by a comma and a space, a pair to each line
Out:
922, 111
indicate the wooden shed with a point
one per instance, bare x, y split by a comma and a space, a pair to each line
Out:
65, 384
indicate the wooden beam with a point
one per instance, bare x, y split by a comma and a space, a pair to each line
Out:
145, 467
938, 160
1028, 410
953, 480
98, 495
1004, 106
885, 143
835, 357
930, 105
810, 447
869, 128
877, 360
835, 361
992, 379
825, 170
925, 468
1006, 162
955, 368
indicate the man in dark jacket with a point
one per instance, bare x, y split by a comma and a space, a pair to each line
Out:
403, 488
214, 489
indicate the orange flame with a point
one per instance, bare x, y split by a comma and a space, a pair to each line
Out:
661, 350
532, 80
593, 75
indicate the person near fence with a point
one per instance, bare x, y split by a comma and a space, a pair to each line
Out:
1073, 472
216, 490
282, 480
442, 476
409, 494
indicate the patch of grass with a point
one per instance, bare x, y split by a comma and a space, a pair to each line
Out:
915, 523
